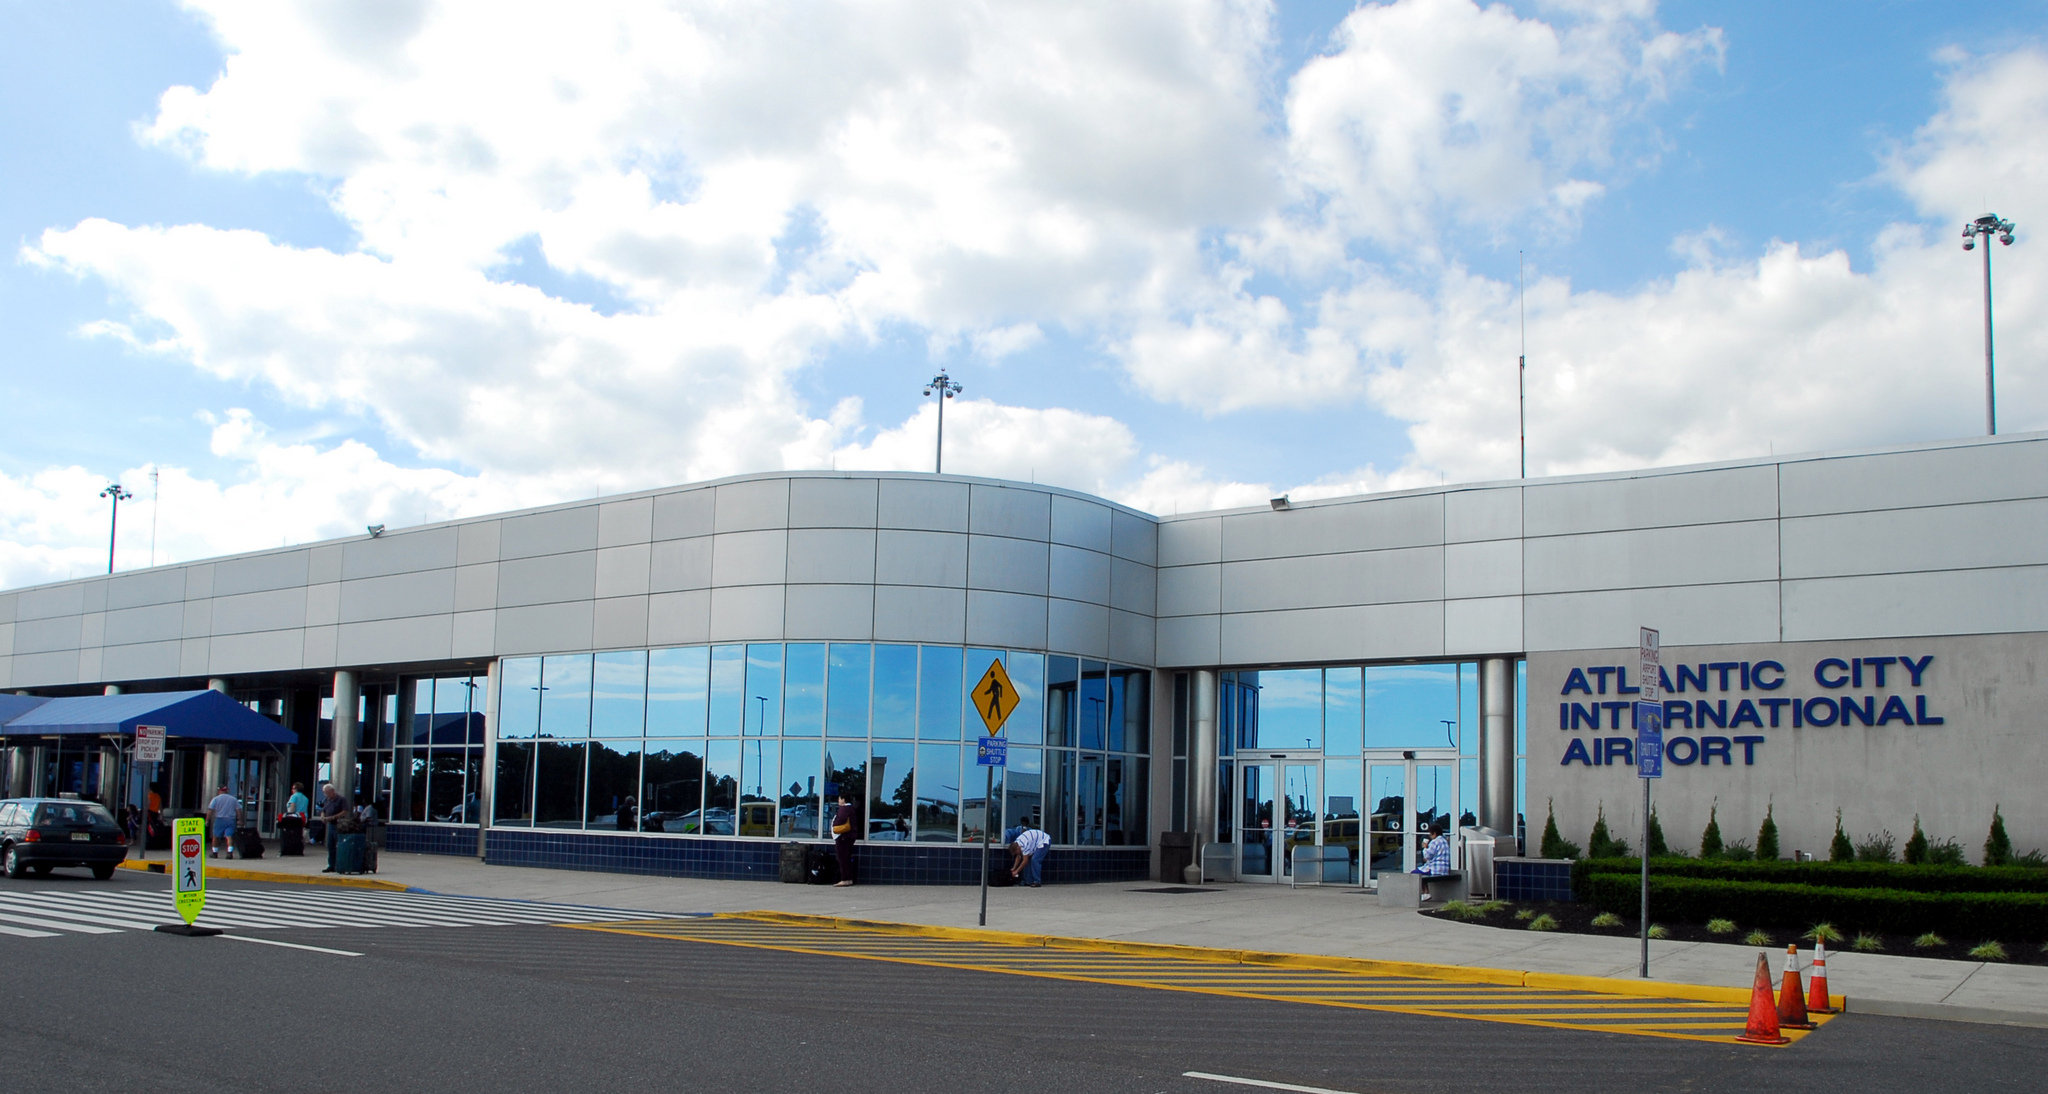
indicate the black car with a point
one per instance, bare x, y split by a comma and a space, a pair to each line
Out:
41, 834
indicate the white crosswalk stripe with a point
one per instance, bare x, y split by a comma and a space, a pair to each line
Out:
51, 913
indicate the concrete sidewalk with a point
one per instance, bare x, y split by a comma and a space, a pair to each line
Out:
1327, 921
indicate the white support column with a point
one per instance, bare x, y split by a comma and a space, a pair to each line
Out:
342, 760
1202, 759
487, 779
1497, 803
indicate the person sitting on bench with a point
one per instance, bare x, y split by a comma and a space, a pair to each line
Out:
1436, 856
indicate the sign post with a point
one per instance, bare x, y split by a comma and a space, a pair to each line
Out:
1649, 755
188, 875
994, 697
149, 749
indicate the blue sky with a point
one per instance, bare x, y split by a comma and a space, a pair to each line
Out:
322, 266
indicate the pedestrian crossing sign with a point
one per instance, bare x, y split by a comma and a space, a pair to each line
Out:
189, 880
994, 697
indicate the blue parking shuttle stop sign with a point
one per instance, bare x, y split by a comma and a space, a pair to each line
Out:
1649, 740
992, 752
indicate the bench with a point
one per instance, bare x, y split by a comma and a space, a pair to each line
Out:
1330, 863
1407, 890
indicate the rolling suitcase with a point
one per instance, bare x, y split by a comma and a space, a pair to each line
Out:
291, 837
349, 852
248, 843
821, 866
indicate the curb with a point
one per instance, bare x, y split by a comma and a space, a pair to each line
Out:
1950, 1012
232, 874
1463, 974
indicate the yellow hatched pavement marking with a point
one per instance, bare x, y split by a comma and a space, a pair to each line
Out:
1646, 1016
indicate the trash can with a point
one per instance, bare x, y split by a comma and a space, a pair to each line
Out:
1176, 854
792, 863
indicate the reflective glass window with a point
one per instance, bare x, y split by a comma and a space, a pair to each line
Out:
1126, 802
457, 695
1343, 790
565, 696
1094, 704
1226, 712
728, 690
512, 791
1521, 709
614, 801
801, 809
671, 785
892, 784
1468, 707
721, 790
421, 731
1027, 674
937, 814
1411, 706
1132, 703
764, 690
981, 786
558, 785
1343, 711
678, 691
453, 784
518, 698
1059, 795
1023, 788
895, 702
1468, 790
1062, 687
1290, 705
938, 695
618, 706
846, 773
409, 784
760, 786
846, 692
1091, 782
803, 690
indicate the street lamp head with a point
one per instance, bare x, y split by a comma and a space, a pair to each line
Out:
945, 385
1969, 241
115, 492
2006, 239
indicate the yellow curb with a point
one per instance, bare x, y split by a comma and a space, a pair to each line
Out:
232, 874
1464, 974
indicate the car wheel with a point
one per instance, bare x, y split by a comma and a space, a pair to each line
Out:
12, 863
103, 870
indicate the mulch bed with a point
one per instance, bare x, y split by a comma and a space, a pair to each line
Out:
1578, 919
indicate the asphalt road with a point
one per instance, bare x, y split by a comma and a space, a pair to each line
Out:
537, 1008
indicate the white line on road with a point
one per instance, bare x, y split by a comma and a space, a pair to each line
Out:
297, 946
1261, 1083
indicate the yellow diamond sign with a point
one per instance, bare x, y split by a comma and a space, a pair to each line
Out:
994, 697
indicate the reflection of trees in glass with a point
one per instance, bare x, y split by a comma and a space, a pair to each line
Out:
671, 786
513, 790
558, 784
614, 776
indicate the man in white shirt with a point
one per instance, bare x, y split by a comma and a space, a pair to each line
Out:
221, 812
1030, 847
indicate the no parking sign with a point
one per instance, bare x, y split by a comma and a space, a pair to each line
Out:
189, 878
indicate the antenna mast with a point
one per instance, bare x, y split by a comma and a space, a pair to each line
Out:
1522, 366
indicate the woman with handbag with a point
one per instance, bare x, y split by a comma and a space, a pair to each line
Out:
845, 829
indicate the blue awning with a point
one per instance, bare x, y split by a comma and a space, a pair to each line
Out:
14, 706
192, 716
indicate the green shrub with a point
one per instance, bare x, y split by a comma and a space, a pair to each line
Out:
1710, 840
1946, 853
1493, 906
1916, 846
1738, 852
1657, 931
1720, 926
1876, 846
1840, 875
1607, 920
1767, 836
1554, 845
1757, 938
1997, 846
1823, 932
1890, 911
1657, 847
2032, 860
1929, 941
1988, 951
1840, 849
1867, 943
1525, 914
1602, 844
1543, 923
1458, 909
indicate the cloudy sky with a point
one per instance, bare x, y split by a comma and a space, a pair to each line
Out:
326, 264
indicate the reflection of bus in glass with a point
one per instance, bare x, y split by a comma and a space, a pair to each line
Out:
757, 818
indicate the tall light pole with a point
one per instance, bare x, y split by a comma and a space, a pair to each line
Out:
946, 389
1988, 225
118, 495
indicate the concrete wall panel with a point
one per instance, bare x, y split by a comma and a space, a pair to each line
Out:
685, 514
1489, 626
1078, 574
474, 634
401, 596
1133, 537
545, 628
1651, 499
1008, 511
401, 552
680, 564
916, 614
1949, 537
832, 503
839, 612
1326, 634
746, 613
997, 619
1491, 513
1131, 638
627, 521
422, 638
1966, 472
323, 604
546, 579
278, 610
1334, 580
1007, 565
1078, 523
679, 619
551, 532
751, 506
923, 505
323, 564
477, 542
1133, 586
2006, 600
620, 622
156, 623
157, 660
1190, 590
1334, 527
622, 571
832, 555
1687, 615
749, 558
921, 558
1483, 568
167, 585
1707, 554
1190, 542
48, 635
1077, 628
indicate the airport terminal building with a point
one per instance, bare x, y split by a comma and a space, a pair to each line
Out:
681, 681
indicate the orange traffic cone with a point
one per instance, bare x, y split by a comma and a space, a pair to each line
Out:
1792, 995
1763, 1010
1817, 993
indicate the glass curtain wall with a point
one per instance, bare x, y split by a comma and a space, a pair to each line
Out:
758, 740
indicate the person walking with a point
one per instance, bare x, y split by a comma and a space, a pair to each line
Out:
1029, 850
333, 807
845, 829
221, 813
